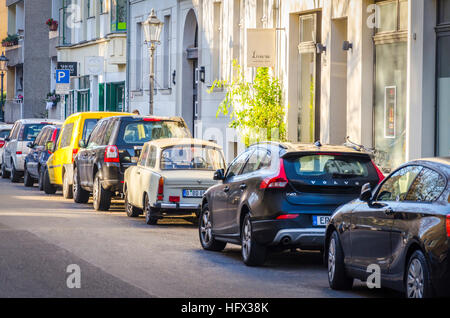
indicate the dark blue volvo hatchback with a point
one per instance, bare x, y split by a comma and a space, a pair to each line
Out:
281, 195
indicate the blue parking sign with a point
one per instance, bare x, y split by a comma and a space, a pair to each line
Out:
62, 76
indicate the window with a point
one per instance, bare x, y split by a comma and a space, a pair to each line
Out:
139, 49
393, 16
236, 166
4, 133
138, 133
118, 15
143, 156
166, 52
97, 135
89, 125
260, 159
108, 131
66, 136
444, 11
217, 37
90, 8
15, 131
396, 187
103, 6
151, 158
191, 157
427, 187
30, 132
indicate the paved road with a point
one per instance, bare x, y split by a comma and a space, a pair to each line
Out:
40, 235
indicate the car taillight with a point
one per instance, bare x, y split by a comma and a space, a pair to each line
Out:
2, 143
74, 153
379, 173
54, 135
447, 225
151, 119
174, 199
111, 154
161, 189
287, 216
276, 182
18, 152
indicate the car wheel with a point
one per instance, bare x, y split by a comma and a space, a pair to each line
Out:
100, 196
149, 218
41, 179
27, 179
205, 232
418, 283
48, 187
337, 278
79, 194
14, 176
253, 254
67, 187
132, 211
5, 174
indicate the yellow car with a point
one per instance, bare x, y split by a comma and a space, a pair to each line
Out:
59, 170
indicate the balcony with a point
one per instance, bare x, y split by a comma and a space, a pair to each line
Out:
54, 41
13, 110
15, 54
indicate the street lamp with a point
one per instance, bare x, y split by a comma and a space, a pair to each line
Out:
152, 29
3, 68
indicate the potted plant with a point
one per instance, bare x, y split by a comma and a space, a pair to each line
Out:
10, 40
53, 98
52, 24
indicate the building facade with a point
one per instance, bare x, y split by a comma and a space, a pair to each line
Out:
92, 36
28, 83
375, 71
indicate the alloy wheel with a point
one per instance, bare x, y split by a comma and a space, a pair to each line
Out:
205, 227
415, 280
332, 259
95, 190
246, 239
75, 181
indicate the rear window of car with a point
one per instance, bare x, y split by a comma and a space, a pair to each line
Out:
187, 157
89, 125
4, 133
329, 167
31, 131
139, 132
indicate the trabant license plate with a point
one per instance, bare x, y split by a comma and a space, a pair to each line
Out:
189, 193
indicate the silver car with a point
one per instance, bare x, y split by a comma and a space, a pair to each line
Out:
15, 150
171, 177
5, 129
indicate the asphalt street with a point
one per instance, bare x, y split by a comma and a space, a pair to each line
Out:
41, 235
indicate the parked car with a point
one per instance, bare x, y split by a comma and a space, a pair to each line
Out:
281, 196
171, 178
5, 129
113, 146
59, 169
402, 226
23, 131
36, 160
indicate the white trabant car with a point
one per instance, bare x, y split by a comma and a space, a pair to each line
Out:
171, 177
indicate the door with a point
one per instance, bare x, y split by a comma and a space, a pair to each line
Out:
95, 146
226, 196
372, 221
62, 152
139, 178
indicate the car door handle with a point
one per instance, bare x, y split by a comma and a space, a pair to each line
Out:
226, 189
389, 211
243, 186
138, 172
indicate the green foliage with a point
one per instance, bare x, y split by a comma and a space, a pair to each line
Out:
255, 108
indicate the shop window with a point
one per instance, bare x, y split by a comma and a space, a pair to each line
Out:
103, 6
118, 15
444, 11
393, 16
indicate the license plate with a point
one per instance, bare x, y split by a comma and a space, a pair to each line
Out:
188, 193
321, 220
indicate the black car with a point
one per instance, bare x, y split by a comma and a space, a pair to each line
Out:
112, 147
281, 196
39, 153
402, 226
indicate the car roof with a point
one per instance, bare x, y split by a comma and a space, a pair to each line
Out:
39, 120
168, 142
95, 115
439, 163
6, 126
290, 147
139, 117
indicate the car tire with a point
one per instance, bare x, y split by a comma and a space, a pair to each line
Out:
5, 174
148, 211
67, 187
253, 254
337, 277
14, 176
417, 277
132, 211
79, 194
28, 181
100, 196
48, 187
41, 179
207, 239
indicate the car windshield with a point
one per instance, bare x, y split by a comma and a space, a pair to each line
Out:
4, 133
139, 132
191, 157
329, 166
89, 125
30, 131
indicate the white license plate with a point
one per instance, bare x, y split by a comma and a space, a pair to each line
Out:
321, 220
188, 193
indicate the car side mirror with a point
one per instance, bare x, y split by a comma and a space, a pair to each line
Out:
49, 146
366, 193
30, 144
82, 144
219, 175
7, 139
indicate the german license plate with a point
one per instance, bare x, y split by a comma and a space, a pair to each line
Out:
189, 193
321, 220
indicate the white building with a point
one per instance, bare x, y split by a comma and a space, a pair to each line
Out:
388, 88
